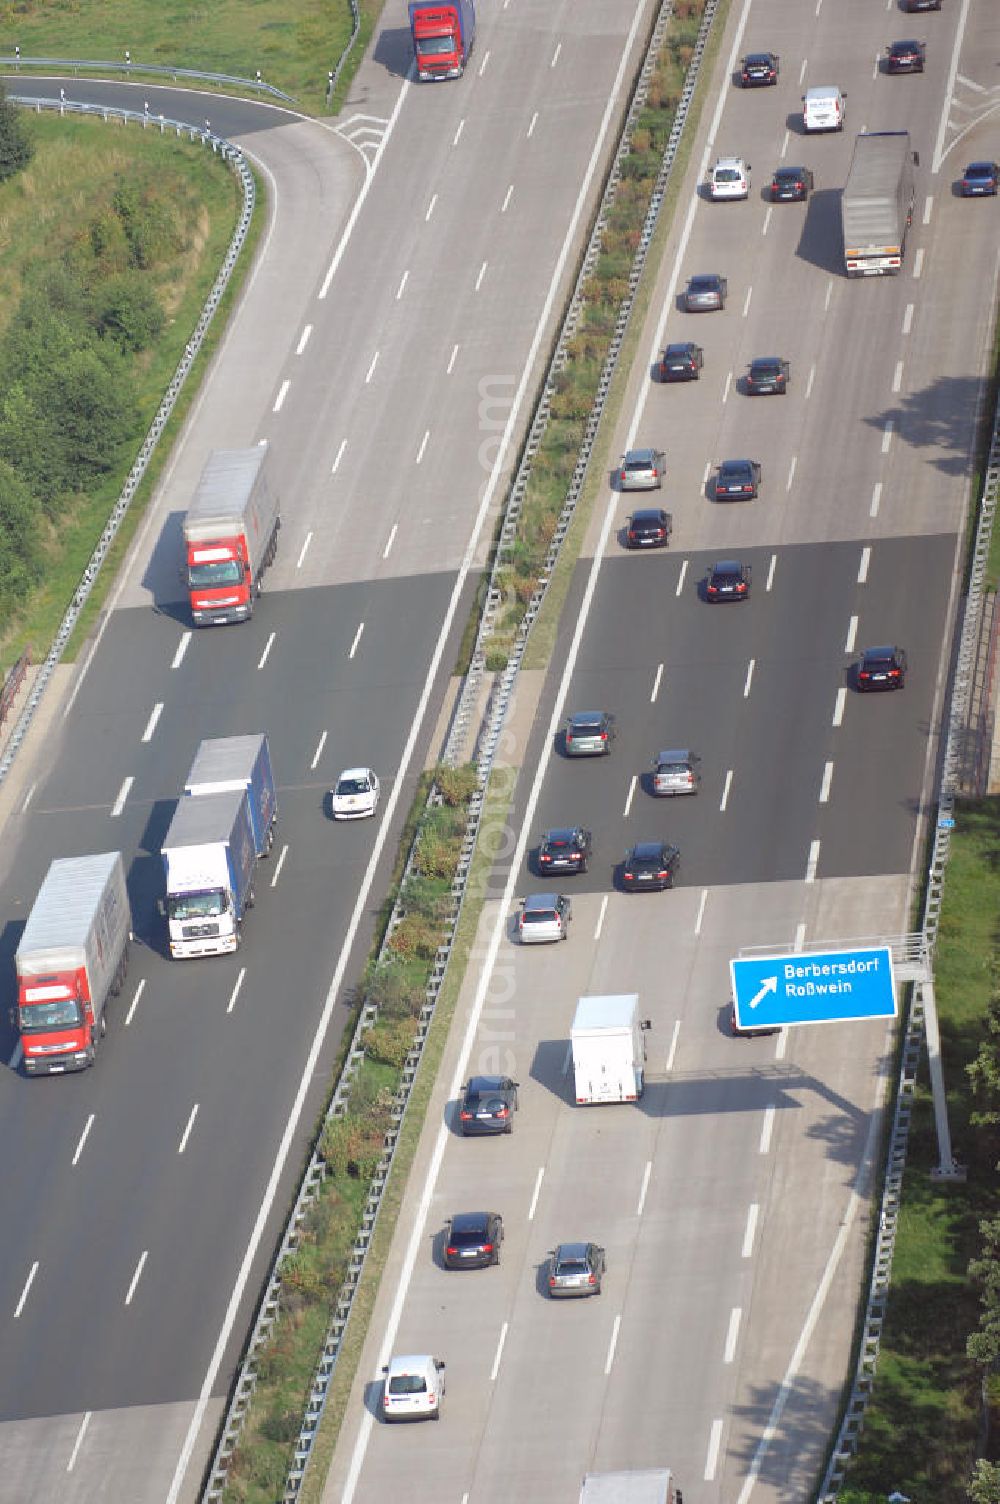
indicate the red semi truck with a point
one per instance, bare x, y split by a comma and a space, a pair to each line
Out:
72, 957
442, 37
230, 535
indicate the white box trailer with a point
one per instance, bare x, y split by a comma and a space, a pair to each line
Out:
230, 535
653, 1485
72, 957
877, 203
608, 1041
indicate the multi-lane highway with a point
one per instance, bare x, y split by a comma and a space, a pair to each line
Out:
732, 1202
386, 351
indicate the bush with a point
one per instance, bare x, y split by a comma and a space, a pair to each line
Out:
390, 1041
393, 994
16, 146
415, 935
425, 896
354, 1144
128, 312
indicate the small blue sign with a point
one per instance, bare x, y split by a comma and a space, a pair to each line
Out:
812, 987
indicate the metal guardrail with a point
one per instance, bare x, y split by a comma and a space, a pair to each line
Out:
13, 683
852, 1425
234, 157
131, 69
335, 75
314, 1175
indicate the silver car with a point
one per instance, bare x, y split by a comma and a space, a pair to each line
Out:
589, 733
576, 1269
544, 917
641, 470
676, 771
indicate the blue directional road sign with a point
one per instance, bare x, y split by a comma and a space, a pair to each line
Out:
812, 987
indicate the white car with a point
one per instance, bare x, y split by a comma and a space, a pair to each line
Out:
729, 178
413, 1389
355, 796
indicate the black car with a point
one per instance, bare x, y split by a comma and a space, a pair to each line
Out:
737, 480
488, 1105
882, 668
750, 1033
650, 864
905, 57
705, 292
980, 178
791, 184
729, 580
768, 375
758, 68
681, 362
921, 4
472, 1240
649, 528
564, 850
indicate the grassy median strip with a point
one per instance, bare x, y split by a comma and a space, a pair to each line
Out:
923, 1426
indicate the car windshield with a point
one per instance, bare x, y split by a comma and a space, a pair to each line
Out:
212, 576
57, 1013
205, 905
353, 786
407, 1383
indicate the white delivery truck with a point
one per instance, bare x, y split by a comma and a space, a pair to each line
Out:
654, 1485
608, 1041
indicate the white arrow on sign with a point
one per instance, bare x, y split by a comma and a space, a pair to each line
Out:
769, 984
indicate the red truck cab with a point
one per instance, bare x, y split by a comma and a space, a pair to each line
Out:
442, 37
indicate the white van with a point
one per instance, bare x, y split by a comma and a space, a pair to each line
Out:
824, 109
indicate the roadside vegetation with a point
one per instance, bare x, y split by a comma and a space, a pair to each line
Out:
111, 242
932, 1430
294, 43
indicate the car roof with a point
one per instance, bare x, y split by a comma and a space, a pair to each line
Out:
469, 1221
411, 1363
571, 1250
354, 773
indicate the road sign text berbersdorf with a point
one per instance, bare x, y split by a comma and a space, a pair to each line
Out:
812, 987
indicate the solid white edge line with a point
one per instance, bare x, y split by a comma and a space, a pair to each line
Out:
949, 88
329, 1006
788, 1383
612, 1344
732, 1335
370, 170
78, 1443
82, 1139
144, 1255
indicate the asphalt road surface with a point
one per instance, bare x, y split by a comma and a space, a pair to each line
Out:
732, 1201
389, 369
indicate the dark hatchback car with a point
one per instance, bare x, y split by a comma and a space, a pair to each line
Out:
576, 1269
472, 1240
757, 69
980, 179
737, 480
650, 864
881, 668
767, 376
905, 57
729, 580
564, 850
681, 362
589, 733
488, 1105
791, 184
921, 4
649, 528
705, 292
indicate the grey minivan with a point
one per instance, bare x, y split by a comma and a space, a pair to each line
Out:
589, 733
641, 470
676, 772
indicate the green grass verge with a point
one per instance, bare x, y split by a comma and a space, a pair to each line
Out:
77, 163
923, 1423
294, 43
